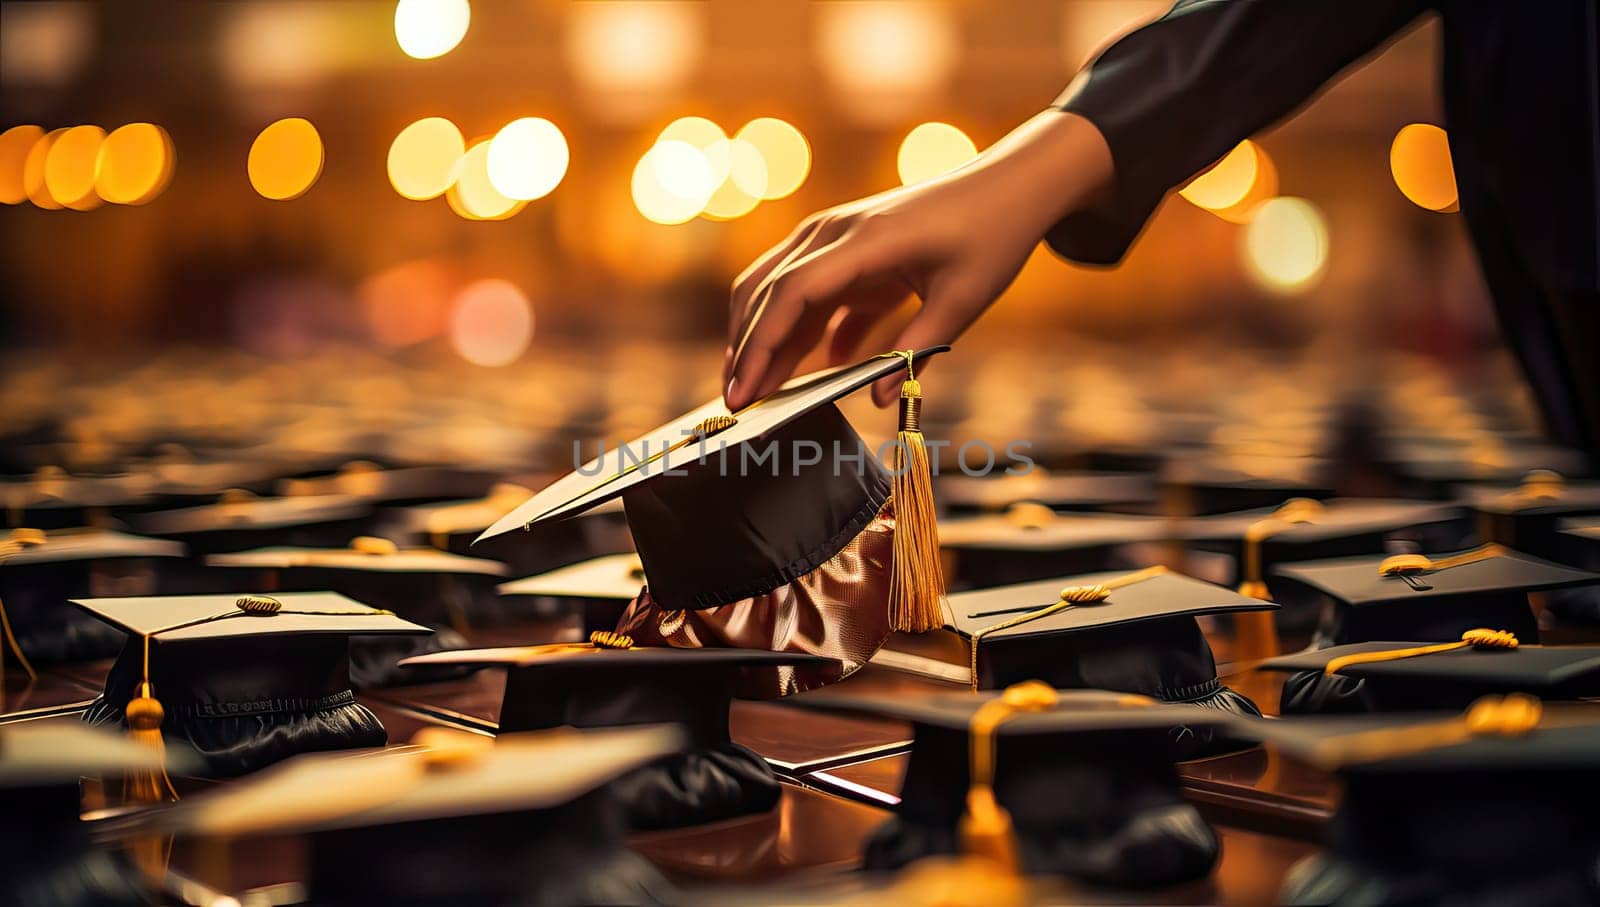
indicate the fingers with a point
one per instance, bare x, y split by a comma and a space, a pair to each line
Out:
940, 321
847, 328
797, 243
790, 314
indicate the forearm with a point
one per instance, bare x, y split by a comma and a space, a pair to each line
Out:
1051, 165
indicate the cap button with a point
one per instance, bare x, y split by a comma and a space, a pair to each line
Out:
371, 544
26, 537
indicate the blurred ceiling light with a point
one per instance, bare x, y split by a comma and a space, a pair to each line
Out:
33, 171
15, 143
932, 150
1235, 185
275, 49
528, 158
745, 181
426, 29
135, 165
884, 57
44, 43
1419, 158
473, 195
491, 323
69, 167
285, 159
634, 54
423, 158
1286, 244
784, 150
672, 182
408, 303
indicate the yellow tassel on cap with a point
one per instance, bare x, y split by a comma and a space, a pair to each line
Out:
145, 716
916, 581
986, 828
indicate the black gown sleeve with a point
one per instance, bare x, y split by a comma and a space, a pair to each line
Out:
1179, 93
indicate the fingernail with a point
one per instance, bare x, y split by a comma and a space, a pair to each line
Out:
727, 395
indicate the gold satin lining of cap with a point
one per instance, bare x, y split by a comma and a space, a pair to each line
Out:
1071, 597
1512, 715
1479, 638
1413, 564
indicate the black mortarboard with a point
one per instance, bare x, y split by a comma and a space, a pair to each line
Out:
240, 520
47, 856
601, 587
588, 686
780, 506
245, 680
1579, 545
1072, 783
54, 499
1417, 676
1071, 490
1500, 805
1527, 515
445, 592
1218, 484
453, 525
1432, 599
526, 819
1030, 541
404, 485
1129, 632
40, 572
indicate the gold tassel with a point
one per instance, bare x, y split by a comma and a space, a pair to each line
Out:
916, 582
145, 715
986, 830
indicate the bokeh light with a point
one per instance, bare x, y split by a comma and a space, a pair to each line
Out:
15, 143
744, 179
33, 183
932, 150
472, 195
426, 29
408, 303
285, 159
1286, 244
672, 182
491, 323
527, 158
69, 167
1420, 160
423, 158
633, 52
1235, 185
136, 164
883, 57
784, 150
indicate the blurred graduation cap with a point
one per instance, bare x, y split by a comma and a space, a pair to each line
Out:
52, 498
404, 485
1579, 546
609, 682
1132, 632
40, 572
244, 680
1435, 599
1030, 541
1417, 676
453, 525
48, 856
1497, 805
1073, 783
453, 818
1069, 490
602, 588
1208, 484
778, 505
1527, 515
238, 520
446, 592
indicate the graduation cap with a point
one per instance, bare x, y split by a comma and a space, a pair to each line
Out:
244, 680
1061, 490
1434, 599
602, 587
446, 592
1527, 515
239, 519
406, 485
1578, 546
452, 526
453, 818
1030, 541
745, 520
1073, 783
1416, 676
41, 571
610, 682
52, 498
47, 855
1133, 632
1210, 484
1496, 805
